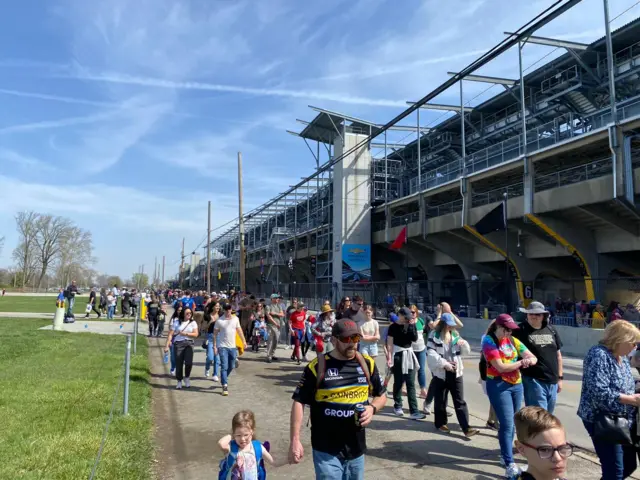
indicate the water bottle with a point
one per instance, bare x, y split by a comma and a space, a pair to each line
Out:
166, 357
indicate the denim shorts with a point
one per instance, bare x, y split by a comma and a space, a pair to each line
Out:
370, 349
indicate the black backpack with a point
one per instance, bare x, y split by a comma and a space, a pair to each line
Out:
482, 365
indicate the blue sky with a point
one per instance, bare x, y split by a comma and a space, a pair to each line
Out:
126, 116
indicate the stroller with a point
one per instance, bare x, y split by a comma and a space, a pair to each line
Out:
258, 335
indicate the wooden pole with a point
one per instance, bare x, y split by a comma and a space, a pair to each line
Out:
209, 249
163, 263
181, 265
243, 284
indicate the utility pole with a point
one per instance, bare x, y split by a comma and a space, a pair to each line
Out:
155, 271
141, 274
243, 284
181, 265
163, 262
209, 248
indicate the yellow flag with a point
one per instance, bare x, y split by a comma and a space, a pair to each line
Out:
219, 275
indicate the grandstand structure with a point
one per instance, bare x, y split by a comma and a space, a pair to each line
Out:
558, 143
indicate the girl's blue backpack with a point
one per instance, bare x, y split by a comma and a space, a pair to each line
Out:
228, 463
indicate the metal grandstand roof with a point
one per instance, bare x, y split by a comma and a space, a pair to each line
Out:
327, 125
623, 37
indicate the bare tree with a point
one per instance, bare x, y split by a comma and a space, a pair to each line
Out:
51, 233
24, 254
76, 248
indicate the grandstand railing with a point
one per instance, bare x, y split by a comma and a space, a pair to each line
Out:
497, 195
562, 128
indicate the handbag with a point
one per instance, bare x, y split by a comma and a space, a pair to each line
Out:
612, 429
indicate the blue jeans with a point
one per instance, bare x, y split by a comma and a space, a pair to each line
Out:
617, 462
539, 394
506, 400
172, 351
110, 312
211, 358
71, 301
422, 371
330, 467
227, 361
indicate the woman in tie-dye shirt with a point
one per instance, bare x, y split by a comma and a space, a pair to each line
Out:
505, 356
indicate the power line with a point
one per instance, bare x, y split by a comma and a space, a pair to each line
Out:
621, 14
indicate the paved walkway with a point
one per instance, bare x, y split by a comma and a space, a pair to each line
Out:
188, 424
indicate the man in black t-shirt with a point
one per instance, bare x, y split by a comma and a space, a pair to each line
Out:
92, 302
543, 381
332, 387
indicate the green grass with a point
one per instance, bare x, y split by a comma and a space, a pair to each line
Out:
36, 304
57, 391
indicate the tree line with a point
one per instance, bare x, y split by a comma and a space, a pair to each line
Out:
53, 250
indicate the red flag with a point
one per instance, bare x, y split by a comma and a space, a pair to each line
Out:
400, 240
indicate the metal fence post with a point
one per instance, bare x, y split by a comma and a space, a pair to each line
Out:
135, 327
127, 368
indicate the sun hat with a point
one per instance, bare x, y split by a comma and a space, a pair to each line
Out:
534, 308
326, 309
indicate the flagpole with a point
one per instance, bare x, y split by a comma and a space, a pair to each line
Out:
507, 269
406, 260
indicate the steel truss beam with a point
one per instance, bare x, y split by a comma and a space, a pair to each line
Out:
439, 106
485, 79
366, 122
552, 42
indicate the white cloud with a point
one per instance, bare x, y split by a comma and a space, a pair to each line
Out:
19, 159
56, 98
120, 206
126, 79
49, 124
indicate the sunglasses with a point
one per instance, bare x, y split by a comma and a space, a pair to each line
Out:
546, 452
351, 339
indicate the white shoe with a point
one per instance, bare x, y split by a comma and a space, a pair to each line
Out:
304, 357
398, 412
173, 372
206, 373
187, 383
426, 408
179, 385
512, 471
215, 378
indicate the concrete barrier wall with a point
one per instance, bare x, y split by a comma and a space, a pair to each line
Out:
576, 341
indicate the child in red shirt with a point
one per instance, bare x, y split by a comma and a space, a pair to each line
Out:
296, 322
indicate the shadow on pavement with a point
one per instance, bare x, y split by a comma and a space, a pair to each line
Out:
449, 454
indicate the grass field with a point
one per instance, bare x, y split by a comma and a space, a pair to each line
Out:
36, 304
56, 396
39, 304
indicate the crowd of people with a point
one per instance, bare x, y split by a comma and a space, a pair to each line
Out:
521, 363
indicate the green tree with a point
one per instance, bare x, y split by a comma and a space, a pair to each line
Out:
113, 280
140, 280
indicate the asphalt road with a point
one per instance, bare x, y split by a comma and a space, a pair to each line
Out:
189, 423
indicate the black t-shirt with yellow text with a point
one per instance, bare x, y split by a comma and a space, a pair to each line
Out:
333, 428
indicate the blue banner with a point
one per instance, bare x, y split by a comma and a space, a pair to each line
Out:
356, 262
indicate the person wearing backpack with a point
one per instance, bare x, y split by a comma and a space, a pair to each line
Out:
543, 381
244, 455
505, 356
333, 385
